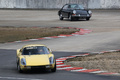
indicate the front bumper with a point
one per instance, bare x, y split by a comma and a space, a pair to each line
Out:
80, 16
37, 67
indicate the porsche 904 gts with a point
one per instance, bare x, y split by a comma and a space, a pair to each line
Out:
74, 11
35, 57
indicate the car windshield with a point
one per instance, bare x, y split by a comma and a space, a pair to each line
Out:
76, 6
35, 50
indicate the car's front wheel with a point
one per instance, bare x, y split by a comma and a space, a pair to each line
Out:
60, 17
70, 17
18, 68
54, 69
87, 18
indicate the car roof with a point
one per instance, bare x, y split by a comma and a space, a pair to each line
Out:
33, 45
72, 4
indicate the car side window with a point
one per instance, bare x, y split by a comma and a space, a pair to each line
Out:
46, 50
65, 7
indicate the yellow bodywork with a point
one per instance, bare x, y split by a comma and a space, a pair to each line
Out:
34, 60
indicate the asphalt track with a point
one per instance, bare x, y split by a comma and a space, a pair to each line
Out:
105, 36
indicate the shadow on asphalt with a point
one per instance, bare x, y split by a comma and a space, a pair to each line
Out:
74, 20
40, 71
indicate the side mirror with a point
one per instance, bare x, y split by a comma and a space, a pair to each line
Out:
50, 50
18, 51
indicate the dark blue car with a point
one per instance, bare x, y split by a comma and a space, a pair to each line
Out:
74, 12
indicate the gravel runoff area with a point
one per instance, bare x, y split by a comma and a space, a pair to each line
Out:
9, 34
107, 62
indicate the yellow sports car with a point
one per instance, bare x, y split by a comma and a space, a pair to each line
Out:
35, 57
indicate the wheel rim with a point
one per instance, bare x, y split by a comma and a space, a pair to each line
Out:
70, 17
60, 16
18, 67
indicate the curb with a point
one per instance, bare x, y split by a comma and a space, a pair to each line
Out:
80, 32
61, 66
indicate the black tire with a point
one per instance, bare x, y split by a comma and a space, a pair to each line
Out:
19, 69
87, 18
70, 17
54, 69
60, 17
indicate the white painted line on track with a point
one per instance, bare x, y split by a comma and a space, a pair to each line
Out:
95, 52
64, 68
100, 52
48, 37
75, 34
98, 71
33, 39
78, 70
62, 57
60, 60
18, 41
61, 36
77, 55
61, 65
112, 50
15, 78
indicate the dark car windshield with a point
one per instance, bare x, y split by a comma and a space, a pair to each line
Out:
35, 50
76, 6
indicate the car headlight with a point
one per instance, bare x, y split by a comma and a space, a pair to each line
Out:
23, 61
74, 11
90, 12
51, 60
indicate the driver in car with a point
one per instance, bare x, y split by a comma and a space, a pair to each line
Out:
40, 51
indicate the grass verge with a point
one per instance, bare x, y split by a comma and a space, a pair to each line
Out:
108, 62
9, 34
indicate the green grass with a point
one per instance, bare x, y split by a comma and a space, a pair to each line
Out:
9, 34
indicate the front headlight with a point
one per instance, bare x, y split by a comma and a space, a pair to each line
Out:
23, 61
90, 12
74, 11
51, 60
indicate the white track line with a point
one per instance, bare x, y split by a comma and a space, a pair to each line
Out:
33, 39
112, 50
78, 70
60, 60
77, 55
60, 65
48, 37
98, 72
62, 36
14, 78
64, 68
18, 41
